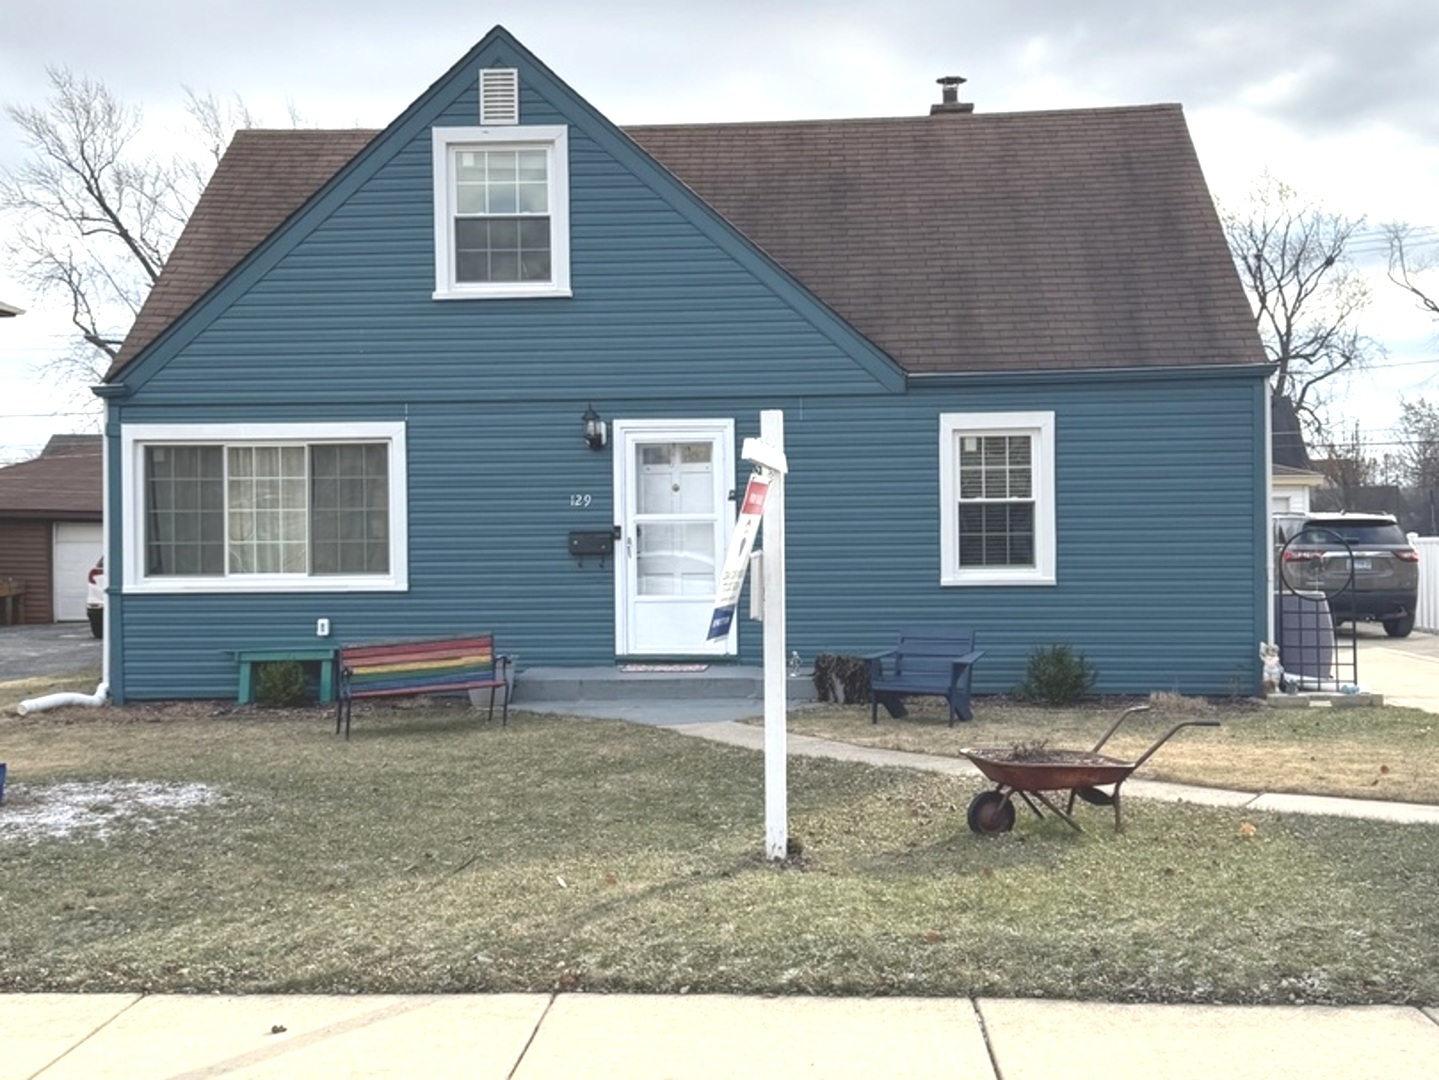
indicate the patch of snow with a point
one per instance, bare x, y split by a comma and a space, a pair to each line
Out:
94, 809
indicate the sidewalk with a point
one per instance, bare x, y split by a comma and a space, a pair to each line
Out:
534, 1036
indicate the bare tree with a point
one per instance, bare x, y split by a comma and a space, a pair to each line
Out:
1418, 450
215, 123
1347, 465
1306, 296
1406, 265
96, 218
96, 215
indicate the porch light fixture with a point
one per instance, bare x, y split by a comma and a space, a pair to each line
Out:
596, 433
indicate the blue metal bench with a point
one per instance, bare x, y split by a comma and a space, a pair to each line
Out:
926, 662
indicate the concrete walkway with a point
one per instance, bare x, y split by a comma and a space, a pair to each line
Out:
534, 1036
751, 737
1405, 671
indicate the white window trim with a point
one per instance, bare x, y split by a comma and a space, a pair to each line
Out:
1039, 425
134, 438
555, 139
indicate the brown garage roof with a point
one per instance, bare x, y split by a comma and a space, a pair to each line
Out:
956, 242
63, 482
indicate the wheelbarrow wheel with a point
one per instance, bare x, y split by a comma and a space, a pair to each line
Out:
991, 813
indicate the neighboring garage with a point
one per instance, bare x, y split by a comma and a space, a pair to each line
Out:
77, 545
50, 530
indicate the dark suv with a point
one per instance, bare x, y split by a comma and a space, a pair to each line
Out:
1382, 584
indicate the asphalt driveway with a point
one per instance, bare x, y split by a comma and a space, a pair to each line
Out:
46, 650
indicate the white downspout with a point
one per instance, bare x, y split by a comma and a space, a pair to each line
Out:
112, 568
51, 701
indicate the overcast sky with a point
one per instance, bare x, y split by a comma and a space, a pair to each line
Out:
1340, 99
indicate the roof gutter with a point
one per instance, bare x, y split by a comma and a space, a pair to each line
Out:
1089, 375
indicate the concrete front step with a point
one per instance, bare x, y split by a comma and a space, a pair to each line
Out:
657, 682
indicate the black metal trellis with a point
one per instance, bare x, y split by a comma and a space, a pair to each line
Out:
1308, 610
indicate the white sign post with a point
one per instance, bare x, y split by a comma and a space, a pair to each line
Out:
776, 692
764, 503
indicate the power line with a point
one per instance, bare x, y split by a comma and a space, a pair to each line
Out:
46, 415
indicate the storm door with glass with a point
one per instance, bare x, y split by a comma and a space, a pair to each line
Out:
673, 481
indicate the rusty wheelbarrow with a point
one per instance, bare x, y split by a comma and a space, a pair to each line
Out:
1037, 774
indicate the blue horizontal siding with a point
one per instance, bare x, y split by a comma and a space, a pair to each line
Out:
1159, 508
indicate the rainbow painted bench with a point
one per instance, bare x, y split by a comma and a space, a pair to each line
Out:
421, 667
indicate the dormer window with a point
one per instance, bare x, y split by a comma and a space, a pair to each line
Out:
501, 212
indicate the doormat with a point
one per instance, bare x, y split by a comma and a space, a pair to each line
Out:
664, 667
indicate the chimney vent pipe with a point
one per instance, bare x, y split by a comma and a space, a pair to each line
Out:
949, 97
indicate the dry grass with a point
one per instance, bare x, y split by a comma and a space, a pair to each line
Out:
437, 853
1372, 753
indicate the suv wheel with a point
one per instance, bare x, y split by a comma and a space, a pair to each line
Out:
1400, 627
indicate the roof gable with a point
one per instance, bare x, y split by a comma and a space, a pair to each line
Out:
243, 226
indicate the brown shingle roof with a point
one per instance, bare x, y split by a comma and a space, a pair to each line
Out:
64, 481
1033, 241
973, 242
263, 178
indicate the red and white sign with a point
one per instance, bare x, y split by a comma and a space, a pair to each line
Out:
736, 561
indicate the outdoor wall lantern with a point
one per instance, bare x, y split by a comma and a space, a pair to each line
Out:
595, 431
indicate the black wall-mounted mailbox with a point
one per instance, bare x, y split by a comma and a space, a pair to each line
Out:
592, 543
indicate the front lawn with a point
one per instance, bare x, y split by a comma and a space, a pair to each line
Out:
225, 849
1369, 753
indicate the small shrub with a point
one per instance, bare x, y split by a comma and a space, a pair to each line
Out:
281, 683
1057, 675
843, 680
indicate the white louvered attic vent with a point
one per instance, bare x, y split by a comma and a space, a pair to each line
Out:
499, 96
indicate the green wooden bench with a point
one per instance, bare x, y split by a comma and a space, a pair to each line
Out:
421, 667
324, 656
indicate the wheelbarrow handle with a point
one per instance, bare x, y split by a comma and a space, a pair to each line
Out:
1115, 726
1169, 734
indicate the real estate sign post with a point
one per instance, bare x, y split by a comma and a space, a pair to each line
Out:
770, 453
764, 504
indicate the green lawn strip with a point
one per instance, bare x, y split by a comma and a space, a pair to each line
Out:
432, 853
1372, 753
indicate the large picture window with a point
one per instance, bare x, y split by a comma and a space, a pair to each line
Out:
997, 498
261, 506
501, 212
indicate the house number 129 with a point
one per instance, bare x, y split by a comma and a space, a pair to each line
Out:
580, 501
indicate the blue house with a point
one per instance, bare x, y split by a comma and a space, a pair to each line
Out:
1022, 390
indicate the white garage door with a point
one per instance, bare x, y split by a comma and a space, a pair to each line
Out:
77, 546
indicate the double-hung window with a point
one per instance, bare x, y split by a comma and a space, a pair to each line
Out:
264, 507
501, 212
997, 498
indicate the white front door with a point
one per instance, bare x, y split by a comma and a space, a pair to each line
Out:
673, 486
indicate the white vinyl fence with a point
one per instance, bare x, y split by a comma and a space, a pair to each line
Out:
1427, 615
